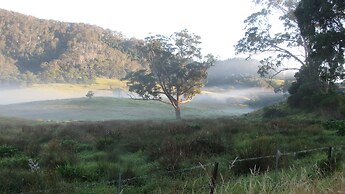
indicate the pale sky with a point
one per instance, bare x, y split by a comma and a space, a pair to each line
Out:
218, 22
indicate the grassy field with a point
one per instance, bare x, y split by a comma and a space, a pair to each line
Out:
100, 84
109, 108
154, 153
66, 102
165, 156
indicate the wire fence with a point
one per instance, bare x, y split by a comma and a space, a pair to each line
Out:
121, 183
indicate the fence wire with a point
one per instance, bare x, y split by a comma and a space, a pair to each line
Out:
183, 170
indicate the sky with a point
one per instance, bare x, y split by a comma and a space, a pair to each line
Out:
218, 22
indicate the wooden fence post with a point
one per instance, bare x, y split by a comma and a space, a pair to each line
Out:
214, 177
278, 154
119, 184
329, 157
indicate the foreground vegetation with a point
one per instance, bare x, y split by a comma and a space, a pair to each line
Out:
87, 157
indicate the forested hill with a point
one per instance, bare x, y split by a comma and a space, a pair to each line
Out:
33, 49
234, 72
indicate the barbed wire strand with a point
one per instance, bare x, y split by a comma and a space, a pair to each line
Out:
200, 165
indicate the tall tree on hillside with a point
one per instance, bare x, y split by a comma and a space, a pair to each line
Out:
322, 24
176, 69
260, 37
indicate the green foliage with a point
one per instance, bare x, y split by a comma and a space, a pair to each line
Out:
104, 144
18, 162
260, 38
84, 157
90, 94
274, 112
176, 70
59, 153
70, 173
262, 146
61, 52
326, 167
7, 151
321, 24
338, 125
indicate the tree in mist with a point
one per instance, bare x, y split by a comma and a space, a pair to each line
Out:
176, 69
322, 25
261, 37
90, 94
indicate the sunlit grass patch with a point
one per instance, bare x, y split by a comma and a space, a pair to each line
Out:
100, 84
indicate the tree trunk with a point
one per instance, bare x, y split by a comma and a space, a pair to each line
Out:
178, 112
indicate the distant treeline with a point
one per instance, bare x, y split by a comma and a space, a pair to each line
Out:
34, 50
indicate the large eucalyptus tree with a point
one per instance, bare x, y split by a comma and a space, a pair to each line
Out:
176, 69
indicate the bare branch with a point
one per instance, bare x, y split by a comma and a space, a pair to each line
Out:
289, 53
186, 101
150, 99
282, 70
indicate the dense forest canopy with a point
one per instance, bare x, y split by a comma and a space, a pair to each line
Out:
36, 50
52, 51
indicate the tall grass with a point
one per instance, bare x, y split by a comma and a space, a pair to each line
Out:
83, 157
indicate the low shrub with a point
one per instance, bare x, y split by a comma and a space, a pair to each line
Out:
70, 172
104, 144
328, 166
59, 153
262, 146
8, 151
274, 112
338, 125
18, 162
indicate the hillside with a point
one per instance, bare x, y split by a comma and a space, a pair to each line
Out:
33, 49
235, 72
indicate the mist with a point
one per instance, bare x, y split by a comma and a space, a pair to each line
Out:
31, 103
229, 91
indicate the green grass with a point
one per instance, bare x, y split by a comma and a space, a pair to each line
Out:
100, 84
87, 156
107, 108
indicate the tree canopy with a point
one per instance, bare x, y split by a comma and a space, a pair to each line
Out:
176, 69
277, 44
55, 51
322, 25
315, 27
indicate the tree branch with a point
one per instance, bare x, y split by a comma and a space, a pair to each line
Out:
186, 101
165, 91
151, 99
289, 53
282, 70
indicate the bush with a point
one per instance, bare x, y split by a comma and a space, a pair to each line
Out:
327, 167
104, 144
70, 172
274, 112
19, 181
14, 162
7, 151
262, 146
339, 126
59, 153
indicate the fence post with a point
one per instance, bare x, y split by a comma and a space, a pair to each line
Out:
329, 158
278, 154
330, 149
214, 177
119, 184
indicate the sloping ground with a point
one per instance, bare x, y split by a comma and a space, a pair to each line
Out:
108, 108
